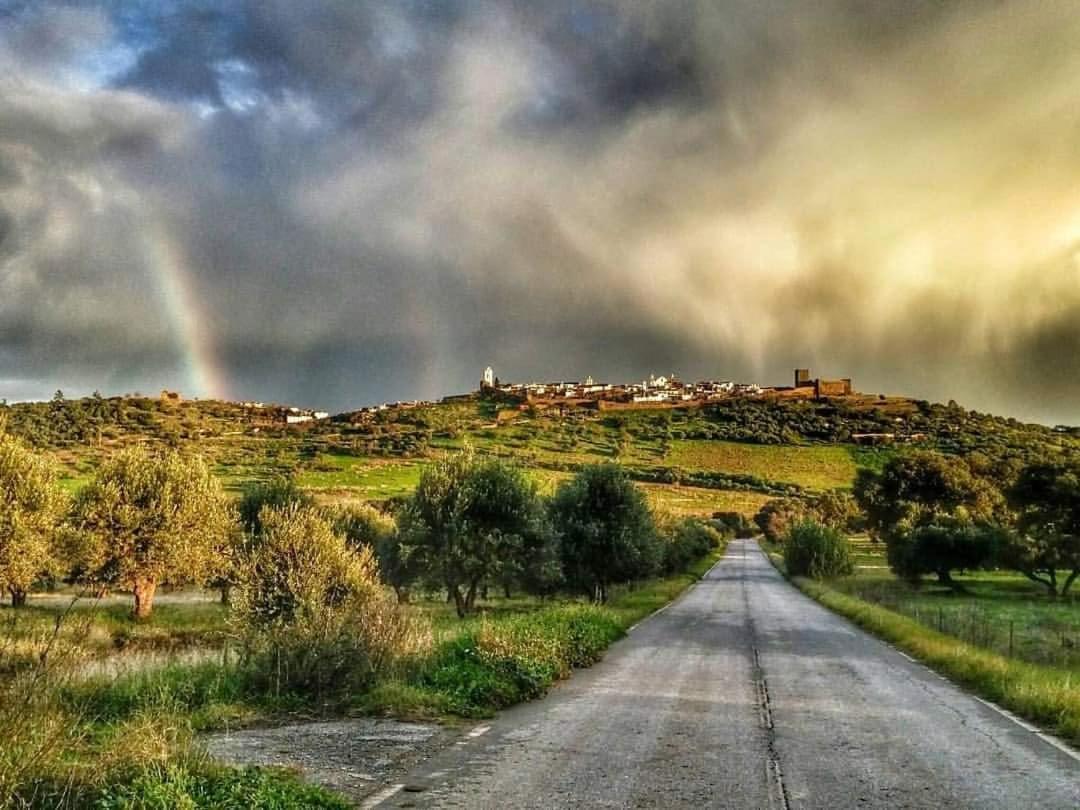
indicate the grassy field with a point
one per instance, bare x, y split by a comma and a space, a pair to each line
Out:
1000, 611
367, 478
813, 466
695, 501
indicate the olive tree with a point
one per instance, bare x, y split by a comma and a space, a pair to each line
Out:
470, 521
31, 505
147, 518
607, 534
1046, 498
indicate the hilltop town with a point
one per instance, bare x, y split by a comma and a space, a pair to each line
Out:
657, 392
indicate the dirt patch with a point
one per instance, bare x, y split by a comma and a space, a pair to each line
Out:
355, 757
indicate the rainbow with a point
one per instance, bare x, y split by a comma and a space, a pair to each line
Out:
205, 376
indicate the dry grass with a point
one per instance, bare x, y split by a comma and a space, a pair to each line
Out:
697, 501
810, 466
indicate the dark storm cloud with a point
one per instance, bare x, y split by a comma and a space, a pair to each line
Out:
337, 202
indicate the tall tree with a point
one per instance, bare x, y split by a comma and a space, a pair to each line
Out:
468, 521
933, 513
1046, 498
607, 534
148, 518
31, 505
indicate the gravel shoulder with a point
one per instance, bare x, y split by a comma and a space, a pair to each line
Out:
354, 757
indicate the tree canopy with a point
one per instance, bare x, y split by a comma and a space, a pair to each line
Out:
147, 518
606, 532
934, 514
1046, 498
470, 521
31, 506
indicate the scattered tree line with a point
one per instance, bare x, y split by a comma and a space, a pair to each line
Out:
939, 514
474, 523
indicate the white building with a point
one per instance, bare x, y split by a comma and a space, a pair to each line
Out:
489, 377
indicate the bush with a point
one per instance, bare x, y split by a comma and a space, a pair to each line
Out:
312, 612
688, 541
777, 517
734, 523
363, 525
813, 550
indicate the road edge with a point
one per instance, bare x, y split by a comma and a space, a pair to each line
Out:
1063, 743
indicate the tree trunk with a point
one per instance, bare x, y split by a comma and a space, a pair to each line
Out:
470, 597
144, 597
18, 597
506, 590
459, 600
402, 594
226, 594
1050, 585
1069, 581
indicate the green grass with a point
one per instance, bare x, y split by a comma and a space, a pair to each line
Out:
370, 480
108, 629
204, 786
1000, 611
810, 466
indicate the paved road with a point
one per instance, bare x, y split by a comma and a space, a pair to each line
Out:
746, 694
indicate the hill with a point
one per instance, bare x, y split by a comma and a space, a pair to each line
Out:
730, 455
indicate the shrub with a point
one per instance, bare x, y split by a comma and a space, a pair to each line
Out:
277, 492
38, 730
813, 550
777, 517
734, 523
688, 541
192, 788
313, 614
362, 525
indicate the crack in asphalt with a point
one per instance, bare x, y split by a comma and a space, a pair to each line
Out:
778, 794
961, 717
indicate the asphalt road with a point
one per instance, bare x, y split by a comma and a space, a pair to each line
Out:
746, 694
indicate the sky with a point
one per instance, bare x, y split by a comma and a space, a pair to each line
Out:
339, 203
